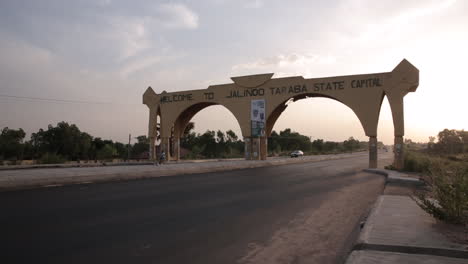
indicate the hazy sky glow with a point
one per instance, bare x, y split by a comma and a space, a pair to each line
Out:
108, 52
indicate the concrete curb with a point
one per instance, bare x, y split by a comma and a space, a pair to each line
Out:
396, 177
74, 165
408, 233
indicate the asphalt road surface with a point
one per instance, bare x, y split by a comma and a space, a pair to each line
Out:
301, 213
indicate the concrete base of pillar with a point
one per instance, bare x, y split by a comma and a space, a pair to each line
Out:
398, 161
373, 152
176, 149
263, 148
253, 148
152, 148
165, 145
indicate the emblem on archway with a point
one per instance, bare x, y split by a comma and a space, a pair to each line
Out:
257, 101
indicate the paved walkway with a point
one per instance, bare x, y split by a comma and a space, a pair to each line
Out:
30, 178
399, 231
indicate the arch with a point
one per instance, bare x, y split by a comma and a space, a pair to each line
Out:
185, 116
188, 113
183, 120
277, 110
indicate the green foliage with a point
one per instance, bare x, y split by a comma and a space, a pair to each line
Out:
11, 144
211, 144
351, 144
445, 170
416, 162
450, 142
60, 143
51, 158
107, 152
65, 140
448, 196
141, 148
287, 141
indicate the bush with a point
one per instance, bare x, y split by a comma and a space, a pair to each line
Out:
417, 162
51, 158
447, 198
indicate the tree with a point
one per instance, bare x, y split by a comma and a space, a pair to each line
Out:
141, 148
188, 138
107, 152
64, 140
450, 141
121, 150
189, 128
431, 143
11, 143
351, 144
231, 136
220, 137
318, 145
208, 142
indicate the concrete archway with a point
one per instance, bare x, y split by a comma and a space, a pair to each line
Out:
362, 93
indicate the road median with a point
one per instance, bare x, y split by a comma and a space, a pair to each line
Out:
40, 177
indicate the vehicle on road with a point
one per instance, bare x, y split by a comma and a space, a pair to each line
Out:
297, 153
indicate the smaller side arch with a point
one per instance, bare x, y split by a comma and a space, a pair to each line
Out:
185, 116
183, 119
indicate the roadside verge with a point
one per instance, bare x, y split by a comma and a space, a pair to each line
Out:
399, 231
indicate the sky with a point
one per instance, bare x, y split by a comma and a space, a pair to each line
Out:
96, 58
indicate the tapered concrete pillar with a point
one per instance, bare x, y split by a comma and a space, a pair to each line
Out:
176, 148
165, 145
152, 148
255, 151
252, 148
263, 148
398, 161
372, 152
247, 148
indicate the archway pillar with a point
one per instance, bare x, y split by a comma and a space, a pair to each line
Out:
176, 148
398, 147
253, 148
165, 145
152, 148
263, 148
373, 153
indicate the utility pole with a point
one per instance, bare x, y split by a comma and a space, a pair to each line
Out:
128, 147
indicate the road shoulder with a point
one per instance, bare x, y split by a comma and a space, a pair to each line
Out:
399, 231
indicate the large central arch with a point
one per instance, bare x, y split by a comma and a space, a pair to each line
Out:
362, 93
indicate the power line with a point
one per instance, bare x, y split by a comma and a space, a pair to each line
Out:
55, 100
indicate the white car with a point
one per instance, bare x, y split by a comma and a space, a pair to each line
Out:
297, 153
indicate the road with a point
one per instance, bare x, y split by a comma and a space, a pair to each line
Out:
300, 213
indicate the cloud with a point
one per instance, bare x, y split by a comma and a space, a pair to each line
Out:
176, 15
130, 35
385, 19
285, 64
253, 4
104, 2
138, 65
250, 4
